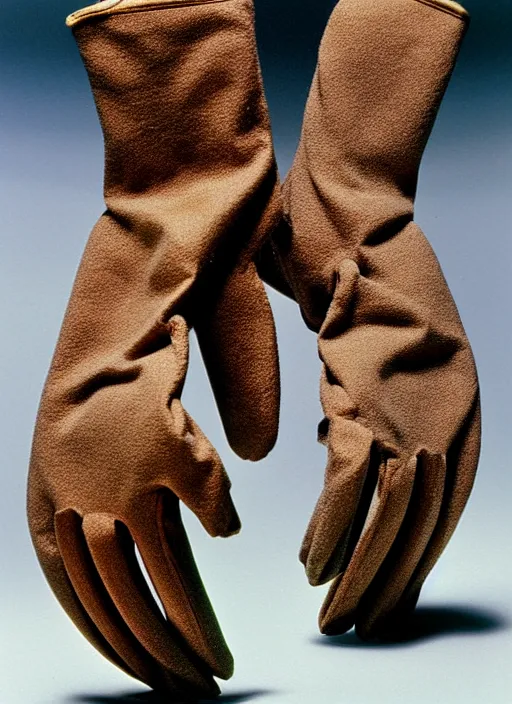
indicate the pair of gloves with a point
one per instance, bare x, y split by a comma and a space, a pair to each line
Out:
195, 218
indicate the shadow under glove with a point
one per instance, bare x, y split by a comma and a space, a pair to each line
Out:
399, 387
191, 193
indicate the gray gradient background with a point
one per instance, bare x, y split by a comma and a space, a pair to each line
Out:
51, 196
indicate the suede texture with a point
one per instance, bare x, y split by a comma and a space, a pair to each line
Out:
192, 196
191, 193
399, 386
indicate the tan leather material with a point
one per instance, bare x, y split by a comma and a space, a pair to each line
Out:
399, 386
191, 194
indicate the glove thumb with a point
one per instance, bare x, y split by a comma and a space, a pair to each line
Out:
237, 339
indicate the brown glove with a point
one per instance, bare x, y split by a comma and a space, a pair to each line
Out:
191, 192
399, 387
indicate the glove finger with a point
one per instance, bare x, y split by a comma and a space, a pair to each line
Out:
203, 485
112, 550
45, 543
96, 600
167, 555
325, 544
462, 462
237, 338
415, 532
385, 515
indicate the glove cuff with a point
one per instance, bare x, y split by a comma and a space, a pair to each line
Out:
117, 7
453, 8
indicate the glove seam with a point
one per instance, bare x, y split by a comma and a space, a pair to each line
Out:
108, 8
449, 7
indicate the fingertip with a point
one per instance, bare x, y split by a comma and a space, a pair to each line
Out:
335, 626
232, 525
219, 516
253, 446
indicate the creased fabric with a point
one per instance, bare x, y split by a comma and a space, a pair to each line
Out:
191, 193
399, 387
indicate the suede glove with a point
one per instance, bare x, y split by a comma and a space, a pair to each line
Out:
399, 387
191, 193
